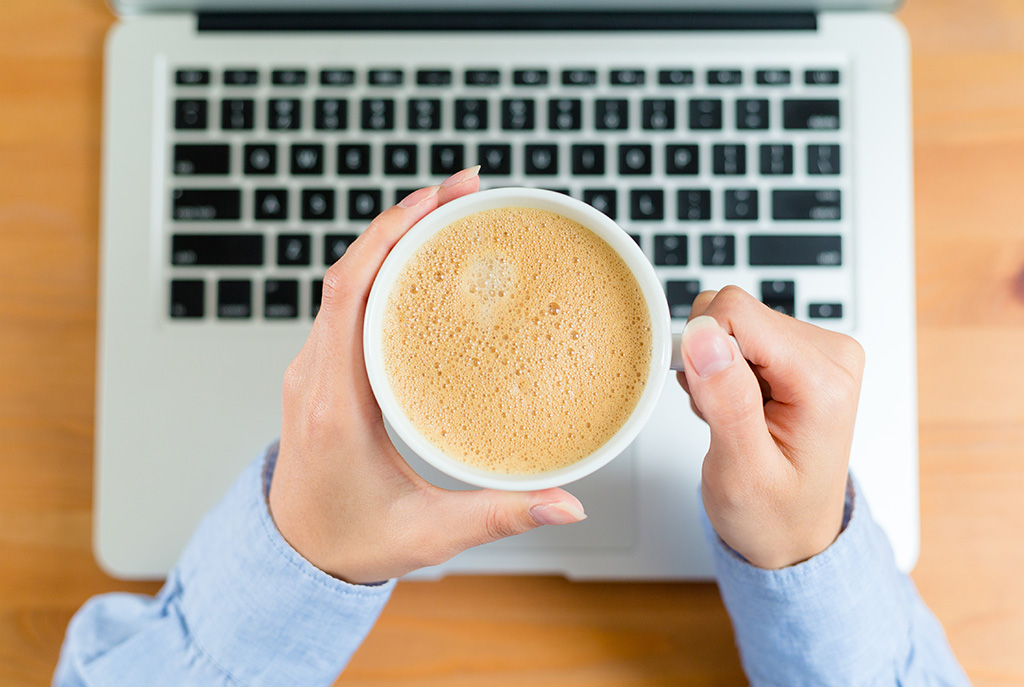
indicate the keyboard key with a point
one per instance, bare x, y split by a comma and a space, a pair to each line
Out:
284, 113
579, 77
752, 114
434, 77
192, 77
199, 159
281, 299
316, 296
335, 246
205, 205
658, 115
647, 204
400, 159
190, 115
495, 159
627, 77
718, 250
724, 77
635, 159
188, 298
378, 114
470, 114
541, 158
779, 296
675, 77
774, 77
705, 114
517, 114
260, 158
694, 204
354, 159
318, 204
810, 114
217, 250
821, 77
234, 299
237, 114
603, 200
670, 250
776, 158
530, 77
446, 158
293, 250
587, 159
805, 204
741, 204
337, 77
271, 204
364, 203
730, 159
789, 250
288, 77
682, 159
483, 77
241, 77
681, 295
330, 114
611, 114
823, 159
385, 77
825, 311
307, 159
565, 114
424, 114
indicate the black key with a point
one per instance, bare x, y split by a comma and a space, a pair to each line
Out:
470, 114
541, 158
284, 113
611, 114
718, 250
776, 158
281, 299
495, 158
823, 159
647, 204
752, 114
530, 77
635, 159
670, 250
202, 159
424, 114
354, 159
364, 203
587, 159
241, 77
400, 158
260, 158
820, 204
819, 115
682, 159
234, 299
694, 204
385, 77
307, 159
730, 159
658, 115
446, 158
825, 311
205, 205
579, 77
316, 296
779, 296
675, 77
188, 298
821, 77
378, 114
483, 77
337, 77
774, 77
288, 77
335, 246
791, 250
271, 204
741, 204
434, 77
217, 250
602, 200
318, 204
724, 77
192, 77
237, 114
705, 114
681, 295
330, 114
517, 114
293, 250
565, 114
190, 114
627, 77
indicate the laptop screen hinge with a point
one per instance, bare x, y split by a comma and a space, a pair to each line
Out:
430, 21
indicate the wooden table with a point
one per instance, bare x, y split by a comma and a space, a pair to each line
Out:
969, 119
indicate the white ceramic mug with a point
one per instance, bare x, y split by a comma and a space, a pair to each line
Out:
665, 354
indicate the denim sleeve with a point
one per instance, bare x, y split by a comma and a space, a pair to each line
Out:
845, 618
241, 607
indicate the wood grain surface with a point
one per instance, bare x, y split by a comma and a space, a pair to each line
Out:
495, 631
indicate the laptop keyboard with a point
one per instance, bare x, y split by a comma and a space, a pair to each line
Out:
722, 174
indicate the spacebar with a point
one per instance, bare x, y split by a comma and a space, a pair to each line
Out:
787, 250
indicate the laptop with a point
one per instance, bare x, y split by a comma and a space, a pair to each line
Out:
247, 143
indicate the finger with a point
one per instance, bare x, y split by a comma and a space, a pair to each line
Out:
701, 303
459, 184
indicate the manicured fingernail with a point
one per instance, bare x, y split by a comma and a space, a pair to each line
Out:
459, 177
557, 513
707, 346
417, 197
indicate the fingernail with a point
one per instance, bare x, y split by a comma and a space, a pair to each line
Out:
557, 513
706, 346
417, 197
459, 177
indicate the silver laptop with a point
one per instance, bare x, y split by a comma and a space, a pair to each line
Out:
246, 144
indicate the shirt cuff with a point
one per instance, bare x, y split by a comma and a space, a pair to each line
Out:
256, 607
839, 618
